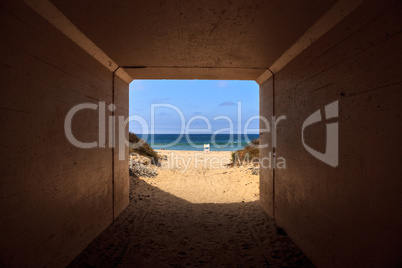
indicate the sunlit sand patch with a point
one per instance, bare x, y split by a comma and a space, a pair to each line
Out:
200, 177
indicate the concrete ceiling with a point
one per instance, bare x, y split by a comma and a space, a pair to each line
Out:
193, 39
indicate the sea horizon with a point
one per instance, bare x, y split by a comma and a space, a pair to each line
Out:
195, 142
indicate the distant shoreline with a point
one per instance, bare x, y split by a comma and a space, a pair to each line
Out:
184, 150
195, 142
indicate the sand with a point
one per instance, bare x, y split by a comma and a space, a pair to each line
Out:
199, 177
196, 213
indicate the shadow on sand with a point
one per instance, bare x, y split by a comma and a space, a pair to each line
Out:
160, 230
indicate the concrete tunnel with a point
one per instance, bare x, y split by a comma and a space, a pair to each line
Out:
56, 198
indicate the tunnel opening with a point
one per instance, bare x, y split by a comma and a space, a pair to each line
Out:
197, 126
187, 214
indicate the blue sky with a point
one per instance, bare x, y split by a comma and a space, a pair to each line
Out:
195, 101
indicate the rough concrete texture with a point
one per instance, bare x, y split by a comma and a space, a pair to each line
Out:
121, 182
349, 215
266, 175
55, 198
166, 36
210, 73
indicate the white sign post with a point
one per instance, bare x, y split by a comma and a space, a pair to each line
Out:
206, 148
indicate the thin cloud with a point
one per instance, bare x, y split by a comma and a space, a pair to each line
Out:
137, 85
222, 84
227, 103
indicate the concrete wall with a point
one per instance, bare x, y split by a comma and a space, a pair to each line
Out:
267, 175
121, 177
55, 198
349, 215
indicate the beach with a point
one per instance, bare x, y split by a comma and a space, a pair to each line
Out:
197, 212
195, 142
199, 177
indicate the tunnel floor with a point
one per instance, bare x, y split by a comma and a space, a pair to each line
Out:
159, 229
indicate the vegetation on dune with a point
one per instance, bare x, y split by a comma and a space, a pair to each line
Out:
141, 147
250, 154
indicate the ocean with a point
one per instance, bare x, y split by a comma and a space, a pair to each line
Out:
195, 142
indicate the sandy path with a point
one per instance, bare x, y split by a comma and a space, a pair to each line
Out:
203, 217
200, 177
